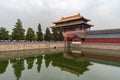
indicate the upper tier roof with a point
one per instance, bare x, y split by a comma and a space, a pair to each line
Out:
74, 17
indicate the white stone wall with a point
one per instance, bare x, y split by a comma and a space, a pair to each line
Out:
27, 46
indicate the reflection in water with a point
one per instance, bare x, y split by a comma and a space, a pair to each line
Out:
3, 66
70, 65
48, 59
39, 62
70, 61
107, 57
18, 66
30, 62
59, 60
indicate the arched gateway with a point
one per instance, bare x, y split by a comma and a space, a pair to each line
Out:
73, 27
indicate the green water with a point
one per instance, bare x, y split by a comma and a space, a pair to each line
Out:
57, 66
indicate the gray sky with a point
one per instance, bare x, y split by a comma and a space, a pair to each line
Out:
104, 14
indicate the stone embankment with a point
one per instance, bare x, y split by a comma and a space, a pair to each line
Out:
12, 46
28, 53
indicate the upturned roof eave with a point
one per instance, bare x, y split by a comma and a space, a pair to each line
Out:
71, 25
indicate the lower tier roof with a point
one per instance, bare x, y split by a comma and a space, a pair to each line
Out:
72, 24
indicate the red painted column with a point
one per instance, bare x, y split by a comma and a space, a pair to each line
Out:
65, 38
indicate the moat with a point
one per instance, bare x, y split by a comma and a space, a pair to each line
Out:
47, 64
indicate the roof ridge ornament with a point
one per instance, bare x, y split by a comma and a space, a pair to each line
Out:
78, 14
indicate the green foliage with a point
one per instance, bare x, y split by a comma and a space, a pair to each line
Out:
3, 33
39, 33
30, 62
47, 35
30, 36
18, 67
18, 31
57, 35
54, 34
3, 66
39, 62
60, 35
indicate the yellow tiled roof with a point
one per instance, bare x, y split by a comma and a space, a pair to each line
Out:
70, 24
74, 17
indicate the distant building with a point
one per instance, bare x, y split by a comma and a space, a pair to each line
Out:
77, 28
73, 27
103, 36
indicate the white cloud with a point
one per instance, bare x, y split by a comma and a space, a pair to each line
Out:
103, 13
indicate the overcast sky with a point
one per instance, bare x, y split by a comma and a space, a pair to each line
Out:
104, 14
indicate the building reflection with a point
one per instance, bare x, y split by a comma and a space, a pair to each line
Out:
106, 57
68, 63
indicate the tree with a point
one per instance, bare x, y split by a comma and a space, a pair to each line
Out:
54, 34
30, 36
39, 33
60, 35
4, 33
18, 31
47, 35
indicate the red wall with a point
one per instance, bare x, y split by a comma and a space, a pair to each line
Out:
103, 40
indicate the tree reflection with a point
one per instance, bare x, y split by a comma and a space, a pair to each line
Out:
39, 62
3, 66
30, 62
18, 66
48, 59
